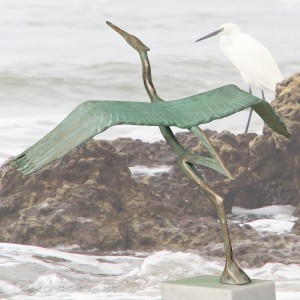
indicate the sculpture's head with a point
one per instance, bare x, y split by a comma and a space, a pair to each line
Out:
130, 39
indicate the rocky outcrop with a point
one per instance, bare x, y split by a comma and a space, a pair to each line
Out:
273, 172
89, 197
141, 153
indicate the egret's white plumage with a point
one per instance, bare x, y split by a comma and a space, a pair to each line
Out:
253, 60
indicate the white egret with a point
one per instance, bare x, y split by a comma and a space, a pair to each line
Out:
254, 61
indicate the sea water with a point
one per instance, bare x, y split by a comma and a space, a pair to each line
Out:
56, 54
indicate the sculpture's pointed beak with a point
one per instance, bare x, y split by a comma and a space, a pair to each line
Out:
131, 39
210, 35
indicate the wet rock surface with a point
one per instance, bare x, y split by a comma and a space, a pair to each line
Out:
91, 199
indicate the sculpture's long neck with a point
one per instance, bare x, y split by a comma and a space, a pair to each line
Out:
147, 78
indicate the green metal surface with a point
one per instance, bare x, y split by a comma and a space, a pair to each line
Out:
96, 116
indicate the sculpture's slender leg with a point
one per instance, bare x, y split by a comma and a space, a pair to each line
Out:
232, 273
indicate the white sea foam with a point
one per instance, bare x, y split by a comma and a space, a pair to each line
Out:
44, 257
274, 225
271, 210
275, 218
8, 289
58, 275
149, 171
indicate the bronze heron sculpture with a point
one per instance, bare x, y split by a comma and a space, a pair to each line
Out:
93, 117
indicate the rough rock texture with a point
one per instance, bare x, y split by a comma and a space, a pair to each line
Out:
143, 153
273, 172
178, 190
89, 197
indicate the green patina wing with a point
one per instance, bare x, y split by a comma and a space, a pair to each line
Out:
93, 117
222, 102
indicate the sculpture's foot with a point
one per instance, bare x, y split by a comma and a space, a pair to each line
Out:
233, 274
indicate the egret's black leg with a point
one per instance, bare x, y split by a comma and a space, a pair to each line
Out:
250, 114
263, 95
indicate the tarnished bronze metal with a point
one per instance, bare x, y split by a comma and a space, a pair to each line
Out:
232, 273
93, 117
